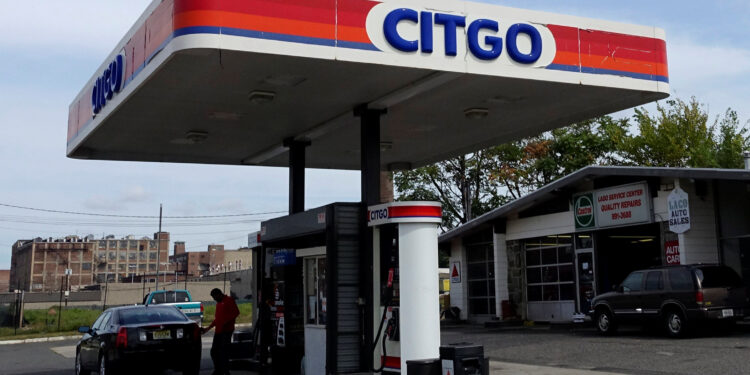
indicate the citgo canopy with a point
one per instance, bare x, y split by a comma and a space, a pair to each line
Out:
225, 82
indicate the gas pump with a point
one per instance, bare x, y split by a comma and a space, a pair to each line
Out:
405, 268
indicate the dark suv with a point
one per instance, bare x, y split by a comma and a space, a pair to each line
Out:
676, 296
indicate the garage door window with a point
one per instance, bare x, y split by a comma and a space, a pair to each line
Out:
549, 268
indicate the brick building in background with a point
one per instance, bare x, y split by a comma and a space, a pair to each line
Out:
210, 262
5, 281
41, 264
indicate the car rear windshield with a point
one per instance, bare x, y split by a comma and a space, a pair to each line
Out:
717, 277
151, 315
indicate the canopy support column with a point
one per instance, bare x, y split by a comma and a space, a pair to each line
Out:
296, 174
370, 181
370, 152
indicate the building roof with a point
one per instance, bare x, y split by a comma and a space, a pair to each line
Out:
554, 188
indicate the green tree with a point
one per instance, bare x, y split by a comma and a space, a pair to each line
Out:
679, 135
461, 184
526, 165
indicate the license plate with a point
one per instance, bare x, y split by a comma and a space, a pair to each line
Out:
726, 313
161, 335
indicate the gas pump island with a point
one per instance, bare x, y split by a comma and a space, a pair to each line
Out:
360, 85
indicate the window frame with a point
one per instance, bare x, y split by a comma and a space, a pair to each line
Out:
320, 320
544, 245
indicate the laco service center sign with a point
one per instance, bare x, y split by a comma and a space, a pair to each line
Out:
620, 205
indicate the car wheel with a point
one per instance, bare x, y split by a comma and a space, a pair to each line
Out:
193, 369
79, 366
605, 322
675, 323
104, 367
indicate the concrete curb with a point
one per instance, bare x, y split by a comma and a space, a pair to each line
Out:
38, 339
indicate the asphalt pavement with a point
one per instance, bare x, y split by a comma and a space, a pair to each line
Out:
541, 350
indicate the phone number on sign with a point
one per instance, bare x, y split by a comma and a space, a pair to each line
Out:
622, 215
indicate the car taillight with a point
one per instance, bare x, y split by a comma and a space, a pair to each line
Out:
122, 338
699, 297
201, 308
196, 331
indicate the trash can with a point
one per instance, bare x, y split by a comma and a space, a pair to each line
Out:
464, 359
424, 367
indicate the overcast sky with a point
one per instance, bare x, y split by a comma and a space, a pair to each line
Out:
50, 48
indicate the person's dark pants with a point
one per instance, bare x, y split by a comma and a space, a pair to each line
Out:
220, 352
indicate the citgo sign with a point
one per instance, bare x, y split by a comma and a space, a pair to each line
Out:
444, 35
108, 84
488, 48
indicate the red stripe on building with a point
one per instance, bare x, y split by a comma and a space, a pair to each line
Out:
608, 44
322, 11
414, 211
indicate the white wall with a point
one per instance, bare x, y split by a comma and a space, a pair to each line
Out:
315, 349
543, 225
459, 291
501, 272
699, 244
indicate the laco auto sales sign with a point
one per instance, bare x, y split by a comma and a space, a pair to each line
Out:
679, 211
620, 205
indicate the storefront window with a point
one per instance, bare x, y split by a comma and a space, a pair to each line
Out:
481, 278
549, 268
315, 290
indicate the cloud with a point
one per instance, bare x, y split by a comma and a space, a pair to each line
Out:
117, 203
690, 62
228, 205
90, 26
100, 203
134, 194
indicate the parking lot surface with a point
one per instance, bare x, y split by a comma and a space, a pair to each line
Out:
633, 350
540, 350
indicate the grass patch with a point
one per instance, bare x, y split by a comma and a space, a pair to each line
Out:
40, 323
246, 313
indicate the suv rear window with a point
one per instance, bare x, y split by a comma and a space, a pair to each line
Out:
717, 277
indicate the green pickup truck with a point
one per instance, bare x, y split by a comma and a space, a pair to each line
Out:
179, 298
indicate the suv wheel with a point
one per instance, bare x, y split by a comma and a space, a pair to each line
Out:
675, 323
605, 322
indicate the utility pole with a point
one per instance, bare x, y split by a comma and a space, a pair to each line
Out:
59, 308
15, 314
20, 310
158, 250
106, 287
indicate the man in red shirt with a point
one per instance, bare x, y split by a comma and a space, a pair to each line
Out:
226, 313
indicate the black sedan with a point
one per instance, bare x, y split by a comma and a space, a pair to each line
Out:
139, 339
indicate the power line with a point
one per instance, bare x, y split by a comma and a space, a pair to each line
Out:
139, 216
